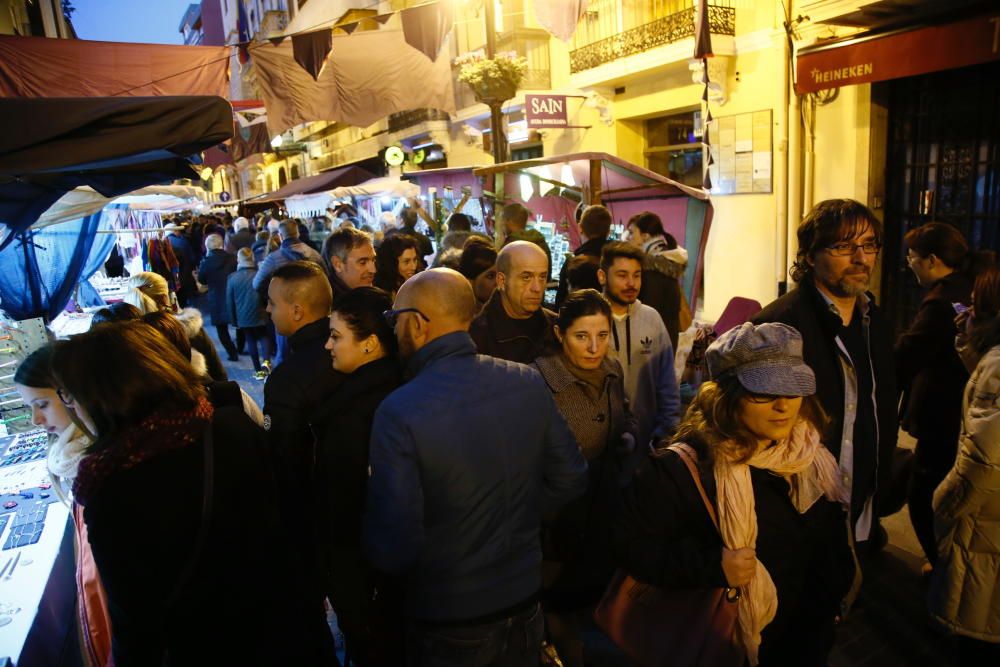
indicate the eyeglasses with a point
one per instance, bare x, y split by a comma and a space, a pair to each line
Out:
846, 249
392, 316
763, 398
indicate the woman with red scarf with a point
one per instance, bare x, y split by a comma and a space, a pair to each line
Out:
178, 505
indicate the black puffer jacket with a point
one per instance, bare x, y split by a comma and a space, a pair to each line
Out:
213, 271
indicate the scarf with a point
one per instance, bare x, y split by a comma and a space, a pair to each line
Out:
593, 377
63, 458
812, 472
160, 432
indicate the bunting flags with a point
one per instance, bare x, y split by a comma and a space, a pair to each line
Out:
243, 27
311, 49
426, 26
703, 51
560, 17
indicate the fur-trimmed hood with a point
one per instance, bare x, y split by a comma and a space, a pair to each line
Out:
192, 320
199, 363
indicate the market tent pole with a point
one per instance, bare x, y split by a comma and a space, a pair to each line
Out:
595, 182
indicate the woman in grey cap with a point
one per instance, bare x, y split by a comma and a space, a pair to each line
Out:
777, 492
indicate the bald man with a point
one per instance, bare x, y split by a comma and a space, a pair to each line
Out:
298, 299
457, 488
513, 324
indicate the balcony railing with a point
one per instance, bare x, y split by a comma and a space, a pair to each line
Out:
404, 119
611, 29
529, 43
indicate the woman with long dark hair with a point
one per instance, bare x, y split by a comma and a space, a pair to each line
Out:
782, 536
929, 374
36, 386
193, 574
964, 594
590, 393
396, 262
363, 347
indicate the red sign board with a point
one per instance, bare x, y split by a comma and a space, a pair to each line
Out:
897, 55
542, 111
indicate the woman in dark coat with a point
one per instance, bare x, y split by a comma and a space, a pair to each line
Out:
590, 394
213, 271
929, 374
193, 573
777, 493
363, 347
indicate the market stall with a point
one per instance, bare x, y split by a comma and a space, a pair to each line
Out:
553, 188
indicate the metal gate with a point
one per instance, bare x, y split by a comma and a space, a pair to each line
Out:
943, 164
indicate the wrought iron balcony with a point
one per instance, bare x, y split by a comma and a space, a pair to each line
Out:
607, 32
404, 119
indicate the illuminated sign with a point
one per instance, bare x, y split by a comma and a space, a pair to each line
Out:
543, 111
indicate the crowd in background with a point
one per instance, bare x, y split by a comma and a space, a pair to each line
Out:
467, 476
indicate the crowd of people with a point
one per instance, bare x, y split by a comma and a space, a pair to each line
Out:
460, 472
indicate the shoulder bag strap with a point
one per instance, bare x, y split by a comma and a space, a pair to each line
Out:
208, 486
690, 459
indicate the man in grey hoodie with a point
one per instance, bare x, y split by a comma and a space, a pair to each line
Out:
640, 343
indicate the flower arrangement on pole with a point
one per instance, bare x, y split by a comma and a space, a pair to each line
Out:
492, 80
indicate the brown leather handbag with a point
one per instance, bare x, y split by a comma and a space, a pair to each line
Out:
681, 628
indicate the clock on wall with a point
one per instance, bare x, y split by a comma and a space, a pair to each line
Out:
394, 156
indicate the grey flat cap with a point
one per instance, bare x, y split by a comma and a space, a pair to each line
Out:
766, 359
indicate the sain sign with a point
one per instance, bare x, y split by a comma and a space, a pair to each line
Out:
544, 111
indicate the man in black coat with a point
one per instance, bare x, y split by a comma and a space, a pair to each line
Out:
846, 343
298, 299
214, 271
595, 226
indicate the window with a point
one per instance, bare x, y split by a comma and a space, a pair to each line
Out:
529, 152
673, 147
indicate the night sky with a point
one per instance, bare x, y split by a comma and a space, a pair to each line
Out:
149, 21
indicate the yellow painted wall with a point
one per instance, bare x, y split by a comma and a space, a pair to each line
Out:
842, 146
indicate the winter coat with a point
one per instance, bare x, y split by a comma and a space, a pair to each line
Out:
965, 591
293, 392
579, 539
291, 250
259, 249
589, 248
641, 345
242, 301
805, 309
929, 374
238, 240
662, 276
213, 271
465, 459
664, 536
343, 425
193, 324
499, 335
143, 525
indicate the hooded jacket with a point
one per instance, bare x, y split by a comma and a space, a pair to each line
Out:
662, 276
965, 595
641, 345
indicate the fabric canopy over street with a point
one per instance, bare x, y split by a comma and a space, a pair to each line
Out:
321, 182
367, 76
113, 145
82, 202
301, 206
41, 67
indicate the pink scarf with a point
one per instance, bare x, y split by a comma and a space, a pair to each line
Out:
812, 472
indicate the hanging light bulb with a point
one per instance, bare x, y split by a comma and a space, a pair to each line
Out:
544, 186
277, 141
527, 189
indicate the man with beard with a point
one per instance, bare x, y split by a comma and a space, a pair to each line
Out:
846, 343
640, 343
465, 459
513, 325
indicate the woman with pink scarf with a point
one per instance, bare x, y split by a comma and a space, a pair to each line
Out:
782, 542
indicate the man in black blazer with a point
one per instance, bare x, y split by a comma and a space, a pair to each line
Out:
846, 343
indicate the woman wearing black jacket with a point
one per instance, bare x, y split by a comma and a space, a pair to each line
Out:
188, 581
363, 347
929, 374
777, 493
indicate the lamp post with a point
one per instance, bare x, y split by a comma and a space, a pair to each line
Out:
498, 140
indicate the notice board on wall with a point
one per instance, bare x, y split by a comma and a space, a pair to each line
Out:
742, 154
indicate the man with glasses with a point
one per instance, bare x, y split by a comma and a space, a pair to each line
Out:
513, 325
465, 459
846, 343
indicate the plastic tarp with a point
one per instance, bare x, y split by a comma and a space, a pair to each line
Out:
42, 67
113, 145
301, 206
82, 202
321, 182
